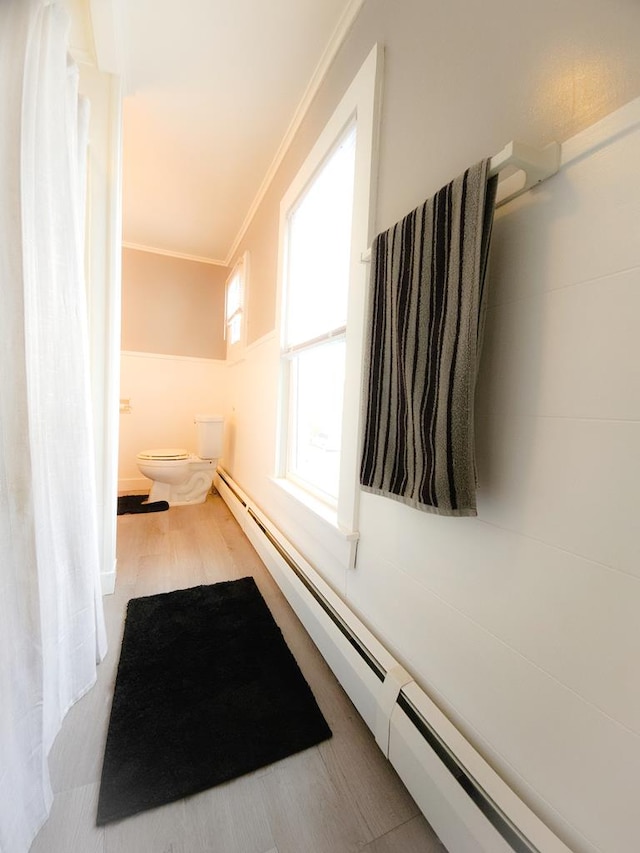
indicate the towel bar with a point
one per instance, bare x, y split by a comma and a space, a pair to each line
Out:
531, 166
537, 164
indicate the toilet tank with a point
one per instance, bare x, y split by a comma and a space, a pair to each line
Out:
209, 438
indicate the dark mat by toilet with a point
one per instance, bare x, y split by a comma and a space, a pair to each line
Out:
136, 503
206, 691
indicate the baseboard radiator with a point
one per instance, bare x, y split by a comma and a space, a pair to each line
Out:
468, 805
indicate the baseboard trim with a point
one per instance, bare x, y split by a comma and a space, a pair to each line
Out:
133, 484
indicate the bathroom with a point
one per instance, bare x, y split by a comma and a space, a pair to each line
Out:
521, 621
520, 624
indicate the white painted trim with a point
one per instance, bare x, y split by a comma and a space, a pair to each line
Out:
169, 357
395, 679
134, 484
335, 42
601, 133
183, 256
323, 511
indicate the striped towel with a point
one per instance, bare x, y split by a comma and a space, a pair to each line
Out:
424, 330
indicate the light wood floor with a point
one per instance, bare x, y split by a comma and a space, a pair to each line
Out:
338, 797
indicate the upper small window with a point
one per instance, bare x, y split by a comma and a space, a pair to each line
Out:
234, 310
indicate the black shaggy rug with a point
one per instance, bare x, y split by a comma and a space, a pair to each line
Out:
206, 690
135, 503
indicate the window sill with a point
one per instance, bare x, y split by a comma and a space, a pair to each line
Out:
321, 510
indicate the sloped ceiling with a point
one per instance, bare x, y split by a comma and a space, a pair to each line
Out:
211, 89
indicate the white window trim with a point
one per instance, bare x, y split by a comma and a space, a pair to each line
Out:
362, 102
236, 351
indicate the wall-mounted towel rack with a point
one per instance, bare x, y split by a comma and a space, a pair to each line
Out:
527, 166
524, 167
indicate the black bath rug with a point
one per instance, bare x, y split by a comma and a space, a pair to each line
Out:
206, 691
135, 503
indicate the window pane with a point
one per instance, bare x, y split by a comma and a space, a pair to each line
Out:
235, 327
317, 385
319, 249
233, 295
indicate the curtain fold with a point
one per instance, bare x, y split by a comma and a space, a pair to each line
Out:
51, 622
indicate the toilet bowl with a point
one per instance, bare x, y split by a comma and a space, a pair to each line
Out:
178, 476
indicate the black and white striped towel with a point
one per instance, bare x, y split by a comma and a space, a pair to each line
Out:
424, 332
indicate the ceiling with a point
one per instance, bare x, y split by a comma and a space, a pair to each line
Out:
213, 90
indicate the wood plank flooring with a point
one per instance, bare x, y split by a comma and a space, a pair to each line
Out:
339, 797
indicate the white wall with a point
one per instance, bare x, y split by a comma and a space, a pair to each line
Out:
522, 624
165, 393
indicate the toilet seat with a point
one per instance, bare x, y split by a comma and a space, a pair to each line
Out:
165, 454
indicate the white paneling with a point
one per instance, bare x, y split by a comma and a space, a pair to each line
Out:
323, 543
251, 428
577, 226
571, 352
165, 394
546, 742
567, 615
523, 623
572, 483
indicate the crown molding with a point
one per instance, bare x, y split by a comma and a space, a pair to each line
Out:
339, 34
181, 255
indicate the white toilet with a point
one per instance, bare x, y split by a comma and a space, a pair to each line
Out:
180, 477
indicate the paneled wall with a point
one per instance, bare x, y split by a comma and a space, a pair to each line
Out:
521, 624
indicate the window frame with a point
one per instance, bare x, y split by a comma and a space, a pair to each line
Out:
292, 354
360, 105
240, 270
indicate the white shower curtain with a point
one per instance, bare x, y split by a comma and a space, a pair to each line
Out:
51, 621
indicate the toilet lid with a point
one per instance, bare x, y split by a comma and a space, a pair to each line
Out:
166, 453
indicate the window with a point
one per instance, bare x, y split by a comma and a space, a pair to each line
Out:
234, 308
315, 321
324, 228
